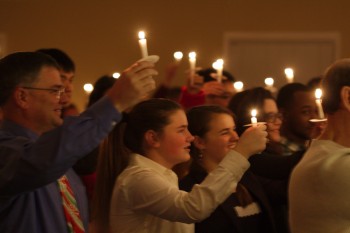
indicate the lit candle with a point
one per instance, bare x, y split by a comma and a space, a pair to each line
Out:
88, 88
116, 75
269, 82
289, 74
192, 58
219, 65
238, 86
178, 56
143, 43
318, 95
254, 120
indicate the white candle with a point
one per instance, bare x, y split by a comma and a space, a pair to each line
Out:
318, 95
219, 66
254, 120
143, 43
289, 74
178, 56
269, 82
238, 86
192, 58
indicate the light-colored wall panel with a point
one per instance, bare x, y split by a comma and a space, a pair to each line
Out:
254, 56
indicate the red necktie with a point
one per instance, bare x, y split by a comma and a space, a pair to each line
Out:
71, 211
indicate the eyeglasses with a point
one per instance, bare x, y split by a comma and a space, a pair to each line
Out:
56, 91
272, 117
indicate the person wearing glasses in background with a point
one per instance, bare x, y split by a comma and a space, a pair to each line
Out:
270, 165
39, 192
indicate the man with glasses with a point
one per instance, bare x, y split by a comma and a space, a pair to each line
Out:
67, 73
39, 192
319, 187
297, 105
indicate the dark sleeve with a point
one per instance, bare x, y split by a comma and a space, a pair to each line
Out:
275, 190
87, 165
26, 165
274, 166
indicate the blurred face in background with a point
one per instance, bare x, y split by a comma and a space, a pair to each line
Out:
273, 120
223, 99
67, 80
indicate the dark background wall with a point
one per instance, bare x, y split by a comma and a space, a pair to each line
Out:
101, 36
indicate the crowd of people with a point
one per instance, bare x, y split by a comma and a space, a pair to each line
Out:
143, 158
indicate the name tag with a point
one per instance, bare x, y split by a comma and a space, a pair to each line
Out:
251, 209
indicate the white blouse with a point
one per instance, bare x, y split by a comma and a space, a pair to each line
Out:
146, 197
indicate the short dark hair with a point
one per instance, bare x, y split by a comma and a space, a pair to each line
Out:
336, 76
286, 94
206, 74
314, 82
62, 59
21, 68
100, 87
243, 102
152, 114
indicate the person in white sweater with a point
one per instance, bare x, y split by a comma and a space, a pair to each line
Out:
146, 196
319, 188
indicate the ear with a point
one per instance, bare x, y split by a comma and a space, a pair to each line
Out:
345, 97
199, 143
21, 97
152, 139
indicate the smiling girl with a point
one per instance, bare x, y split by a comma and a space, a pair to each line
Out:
137, 159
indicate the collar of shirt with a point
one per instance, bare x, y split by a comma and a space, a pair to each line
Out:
290, 147
143, 161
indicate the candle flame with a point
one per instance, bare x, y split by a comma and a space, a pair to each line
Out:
218, 64
192, 55
254, 112
318, 93
116, 75
142, 35
178, 55
238, 85
269, 81
289, 72
88, 87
